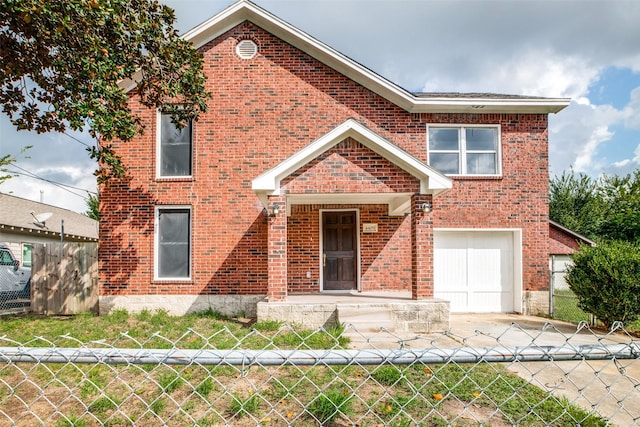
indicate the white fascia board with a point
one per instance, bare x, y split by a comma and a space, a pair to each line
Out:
220, 23
430, 179
489, 105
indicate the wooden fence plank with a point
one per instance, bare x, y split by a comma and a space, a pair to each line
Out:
64, 278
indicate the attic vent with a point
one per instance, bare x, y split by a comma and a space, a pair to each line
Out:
246, 49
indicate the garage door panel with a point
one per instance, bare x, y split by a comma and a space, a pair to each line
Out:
483, 262
489, 301
474, 270
458, 301
452, 263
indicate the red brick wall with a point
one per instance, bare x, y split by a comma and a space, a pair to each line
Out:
518, 199
264, 110
385, 256
561, 243
350, 167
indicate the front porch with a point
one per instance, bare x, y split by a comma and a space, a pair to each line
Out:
366, 311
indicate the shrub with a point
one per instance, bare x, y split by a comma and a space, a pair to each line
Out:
606, 280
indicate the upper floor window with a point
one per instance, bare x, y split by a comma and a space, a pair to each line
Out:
465, 150
175, 148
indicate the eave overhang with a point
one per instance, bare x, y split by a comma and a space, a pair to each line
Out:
431, 181
245, 10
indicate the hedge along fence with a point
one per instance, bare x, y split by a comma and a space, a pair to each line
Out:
606, 280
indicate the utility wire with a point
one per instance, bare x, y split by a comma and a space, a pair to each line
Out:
57, 184
64, 187
77, 140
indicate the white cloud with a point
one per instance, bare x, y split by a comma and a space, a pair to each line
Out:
622, 163
577, 135
53, 156
627, 165
632, 110
584, 159
534, 72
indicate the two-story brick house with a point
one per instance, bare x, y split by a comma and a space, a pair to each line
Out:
312, 174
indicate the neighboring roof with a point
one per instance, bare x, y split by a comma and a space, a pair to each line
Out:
571, 233
245, 10
431, 180
15, 215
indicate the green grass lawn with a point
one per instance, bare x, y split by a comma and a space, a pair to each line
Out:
118, 395
566, 308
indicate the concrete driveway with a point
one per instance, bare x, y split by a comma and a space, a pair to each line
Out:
609, 387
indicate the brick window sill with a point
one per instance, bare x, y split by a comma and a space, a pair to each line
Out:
175, 179
475, 178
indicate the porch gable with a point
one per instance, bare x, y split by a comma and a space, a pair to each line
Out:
428, 179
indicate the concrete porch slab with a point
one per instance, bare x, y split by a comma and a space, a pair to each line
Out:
393, 311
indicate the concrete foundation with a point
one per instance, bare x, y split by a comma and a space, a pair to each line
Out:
178, 305
536, 303
365, 311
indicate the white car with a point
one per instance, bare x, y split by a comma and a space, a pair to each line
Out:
15, 281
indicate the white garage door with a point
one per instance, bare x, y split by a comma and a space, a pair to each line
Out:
474, 270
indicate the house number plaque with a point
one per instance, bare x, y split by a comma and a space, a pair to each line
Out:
369, 228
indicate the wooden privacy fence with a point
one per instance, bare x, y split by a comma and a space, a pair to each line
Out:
64, 278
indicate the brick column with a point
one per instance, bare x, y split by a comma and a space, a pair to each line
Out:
421, 248
277, 250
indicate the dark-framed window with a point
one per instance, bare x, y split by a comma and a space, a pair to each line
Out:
173, 242
175, 148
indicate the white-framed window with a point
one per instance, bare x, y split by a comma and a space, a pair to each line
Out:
465, 150
175, 148
27, 248
173, 243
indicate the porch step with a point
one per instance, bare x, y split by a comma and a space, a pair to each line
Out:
366, 318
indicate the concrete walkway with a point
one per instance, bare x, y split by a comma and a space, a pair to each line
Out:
611, 388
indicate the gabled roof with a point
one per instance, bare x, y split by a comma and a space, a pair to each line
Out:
431, 180
573, 234
245, 10
16, 216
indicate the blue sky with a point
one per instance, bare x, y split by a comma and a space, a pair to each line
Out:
586, 50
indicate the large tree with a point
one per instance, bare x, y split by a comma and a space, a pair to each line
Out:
574, 202
93, 207
607, 208
620, 207
62, 62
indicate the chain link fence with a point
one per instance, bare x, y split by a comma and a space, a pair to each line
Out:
515, 375
15, 301
564, 303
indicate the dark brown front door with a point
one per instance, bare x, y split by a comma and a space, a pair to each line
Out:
339, 250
